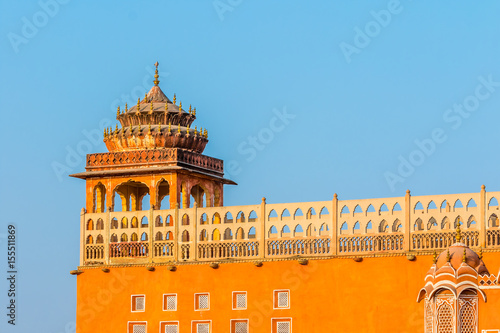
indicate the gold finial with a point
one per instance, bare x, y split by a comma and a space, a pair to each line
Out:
156, 81
116, 129
174, 99
118, 111
166, 107
480, 253
178, 128
187, 130
194, 112
464, 258
146, 98
196, 130
104, 134
139, 130
151, 108
458, 237
448, 257
180, 106
131, 129
206, 133
190, 109
149, 130
126, 108
434, 257
138, 106
159, 128
169, 127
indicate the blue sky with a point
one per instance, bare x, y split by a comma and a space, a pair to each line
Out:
369, 98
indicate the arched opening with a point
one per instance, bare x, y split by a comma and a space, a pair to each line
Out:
216, 235
158, 221
124, 223
298, 213
163, 195
228, 218
144, 237
169, 221
198, 194
344, 210
90, 224
228, 234
216, 218
132, 195
310, 213
99, 225
431, 205
169, 236
144, 222
432, 224
114, 238
323, 212
134, 223
383, 226
252, 217
419, 225
383, 208
369, 227
396, 208
204, 218
185, 236
252, 233
185, 219
397, 226
493, 221
356, 228
445, 223
493, 203
114, 223
203, 236
90, 239
99, 198
240, 217
344, 228
311, 230
471, 222
134, 237
272, 215
285, 214
240, 234
273, 232
159, 236
458, 204
298, 231
124, 238
357, 209
418, 207
285, 231
370, 209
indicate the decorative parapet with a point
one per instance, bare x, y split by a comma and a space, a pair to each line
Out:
400, 225
138, 158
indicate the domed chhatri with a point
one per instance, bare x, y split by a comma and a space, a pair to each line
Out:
156, 122
455, 269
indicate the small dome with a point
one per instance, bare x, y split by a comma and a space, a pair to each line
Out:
456, 254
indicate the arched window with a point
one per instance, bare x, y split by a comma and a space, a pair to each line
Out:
216, 219
445, 322
99, 225
185, 236
203, 235
228, 218
252, 233
90, 240
99, 239
240, 217
124, 238
204, 219
134, 223
169, 221
158, 221
124, 223
252, 217
273, 231
216, 234
99, 198
185, 219
114, 223
228, 234
468, 321
134, 237
240, 234
144, 222
169, 236
90, 225
114, 238
144, 237
158, 236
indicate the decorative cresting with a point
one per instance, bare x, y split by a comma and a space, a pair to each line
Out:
155, 122
451, 290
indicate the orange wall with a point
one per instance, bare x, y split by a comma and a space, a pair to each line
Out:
335, 295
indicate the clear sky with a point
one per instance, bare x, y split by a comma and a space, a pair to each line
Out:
301, 99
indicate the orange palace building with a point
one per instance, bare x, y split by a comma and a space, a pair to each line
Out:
189, 264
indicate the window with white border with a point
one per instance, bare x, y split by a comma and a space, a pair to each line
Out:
137, 327
169, 327
239, 300
281, 299
169, 302
138, 303
201, 326
202, 302
239, 326
281, 325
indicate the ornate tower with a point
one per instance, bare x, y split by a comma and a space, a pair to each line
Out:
156, 152
451, 293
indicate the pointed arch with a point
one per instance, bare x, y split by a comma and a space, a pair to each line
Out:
252, 233
134, 222
99, 239
369, 227
134, 237
344, 228
492, 202
114, 238
185, 236
144, 237
228, 234
240, 234
124, 238
285, 213
383, 208
493, 221
216, 218
356, 227
344, 210
383, 226
432, 224
204, 219
228, 218
297, 213
169, 235
90, 239
252, 217
445, 223
431, 205
90, 224
370, 209
272, 215
124, 223
273, 231
298, 231
114, 223
159, 236
471, 222
240, 217
397, 226
144, 222
162, 194
216, 234
357, 209
169, 221
324, 211
311, 230
418, 206
419, 225
396, 207
458, 204
285, 231
471, 203
185, 219
158, 221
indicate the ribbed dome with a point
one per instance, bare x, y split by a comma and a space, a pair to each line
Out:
156, 122
456, 254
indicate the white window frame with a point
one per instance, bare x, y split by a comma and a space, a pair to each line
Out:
289, 319
169, 322
209, 322
275, 303
132, 305
231, 324
164, 304
196, 302
136, 322
235, 302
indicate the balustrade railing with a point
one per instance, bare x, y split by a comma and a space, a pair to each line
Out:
323, 228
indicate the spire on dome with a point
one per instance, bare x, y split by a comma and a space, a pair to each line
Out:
458, 237
156, 81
